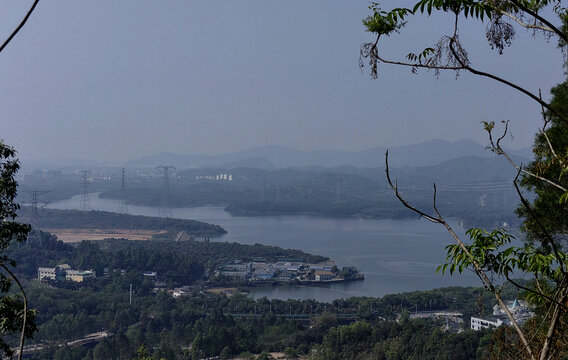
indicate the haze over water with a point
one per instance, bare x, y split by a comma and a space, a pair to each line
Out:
395, 255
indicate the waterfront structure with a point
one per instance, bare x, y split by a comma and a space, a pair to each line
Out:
324, 275
286, 271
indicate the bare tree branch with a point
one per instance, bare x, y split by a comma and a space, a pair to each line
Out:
20, 26
478, 270
496, 147
543, 20
402, 199
542, 131
525, 25
544, 320
534, 292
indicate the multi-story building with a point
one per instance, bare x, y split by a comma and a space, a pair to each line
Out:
64, 271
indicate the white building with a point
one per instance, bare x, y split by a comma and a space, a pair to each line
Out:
478, 324
46, 273
64, 271
519, 309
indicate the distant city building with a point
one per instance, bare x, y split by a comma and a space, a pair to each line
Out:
218, 177
453, 319
55, 273
286, 276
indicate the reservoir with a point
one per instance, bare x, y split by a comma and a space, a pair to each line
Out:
394, 255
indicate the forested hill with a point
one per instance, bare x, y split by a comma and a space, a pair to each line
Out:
61, 219
477, 190
428, 153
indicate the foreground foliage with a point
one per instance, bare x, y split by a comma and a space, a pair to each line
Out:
15, 316
203, 325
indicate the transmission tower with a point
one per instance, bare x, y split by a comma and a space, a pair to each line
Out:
263, 189
339, 189
35, 218
166, 200
85, 202
123, 202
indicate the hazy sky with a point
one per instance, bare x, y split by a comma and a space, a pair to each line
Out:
119, 79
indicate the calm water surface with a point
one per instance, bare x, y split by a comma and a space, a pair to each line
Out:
395, 255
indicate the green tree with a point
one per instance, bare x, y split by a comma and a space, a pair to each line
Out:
549, 210
490, 253
104, 350
264, 356
68, 353
142, 353
226, 353
14, 310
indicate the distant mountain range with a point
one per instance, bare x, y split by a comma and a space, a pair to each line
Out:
274, 156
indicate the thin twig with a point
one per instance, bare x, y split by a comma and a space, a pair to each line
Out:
420, 65
551, 329
504, 134
525, 25
546, 121
499, 150
401, 199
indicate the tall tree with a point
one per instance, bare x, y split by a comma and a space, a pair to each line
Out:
549, 210
490, 253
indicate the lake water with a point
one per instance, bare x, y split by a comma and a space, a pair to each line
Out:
395, 255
